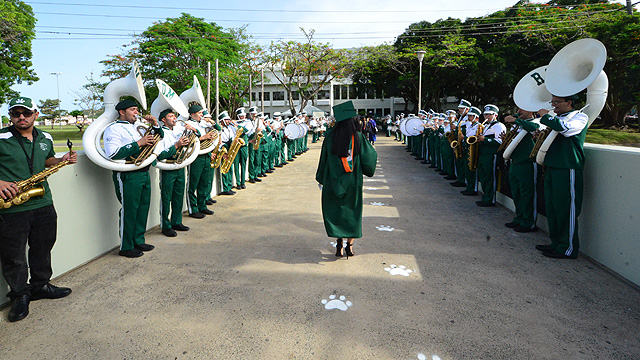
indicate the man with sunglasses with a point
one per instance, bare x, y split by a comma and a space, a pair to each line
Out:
26, 151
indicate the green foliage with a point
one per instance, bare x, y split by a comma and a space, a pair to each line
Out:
482, 59
89, 98
612, 137
48, 110
305, 67
16, 32
5, 120
177, 49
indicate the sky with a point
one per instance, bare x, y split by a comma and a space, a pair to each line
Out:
73, 36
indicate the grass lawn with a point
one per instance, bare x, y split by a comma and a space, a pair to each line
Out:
613, 137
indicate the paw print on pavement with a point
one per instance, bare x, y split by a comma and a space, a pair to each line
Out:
372, 188
334, 303
335, 244
422, 356
384, 228
398, 270
376, 203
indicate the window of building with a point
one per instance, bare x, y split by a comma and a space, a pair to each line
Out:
371, 93
387, 111
266, 95
323, 94
336, 92
295, 95
344, 91
278, 95
253, 96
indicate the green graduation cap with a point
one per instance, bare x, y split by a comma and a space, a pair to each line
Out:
344, 111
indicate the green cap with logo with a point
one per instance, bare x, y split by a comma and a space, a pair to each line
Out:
22, 101
344, 111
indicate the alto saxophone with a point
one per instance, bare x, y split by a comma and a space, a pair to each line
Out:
472, 141
29, 188
237, 143
217, 155
456, 145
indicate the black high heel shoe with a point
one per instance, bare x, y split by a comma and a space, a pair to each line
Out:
339, 248
348, 250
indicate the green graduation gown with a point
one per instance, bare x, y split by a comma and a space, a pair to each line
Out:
342, 191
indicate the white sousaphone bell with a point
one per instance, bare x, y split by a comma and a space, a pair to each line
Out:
168, 99
577, 66
131, 85
191, 95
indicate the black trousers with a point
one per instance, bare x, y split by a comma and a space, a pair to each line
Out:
37, 228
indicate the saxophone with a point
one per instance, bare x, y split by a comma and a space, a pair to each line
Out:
236, 144
217, 155
29, 188
457, 145
473, 147
508, 138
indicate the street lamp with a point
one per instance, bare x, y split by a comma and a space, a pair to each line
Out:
420, 57
57, 74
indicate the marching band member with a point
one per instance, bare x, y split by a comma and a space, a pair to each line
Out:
563, 177
461, 163
240, 162
133, 188
280, 140
489, 142
265, 167
172, 182
448, 157
25, 151
523, 174
439, 141
227, 134
208, 124
315, 129
473, 117
291, 144
254, 155
199, 170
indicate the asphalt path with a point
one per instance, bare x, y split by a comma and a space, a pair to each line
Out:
434, 277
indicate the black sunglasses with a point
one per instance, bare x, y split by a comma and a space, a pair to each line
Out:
16, 114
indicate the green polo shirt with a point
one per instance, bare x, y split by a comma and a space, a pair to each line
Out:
14, 165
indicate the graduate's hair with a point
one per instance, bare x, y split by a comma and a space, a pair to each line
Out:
342, 134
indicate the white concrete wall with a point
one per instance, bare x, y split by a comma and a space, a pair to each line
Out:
609, 225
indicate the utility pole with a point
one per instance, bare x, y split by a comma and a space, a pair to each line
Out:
629, 8
217, 92
57, 74
209, 87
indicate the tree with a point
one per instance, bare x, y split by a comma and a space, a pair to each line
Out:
307, 66
5, 120
89, 98
175, 50
77, 114
16, 32
49, 110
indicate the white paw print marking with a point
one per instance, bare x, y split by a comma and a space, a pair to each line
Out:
384, 228
422, 356
338, 303
372, 188
376, 203
335, 244
398, 270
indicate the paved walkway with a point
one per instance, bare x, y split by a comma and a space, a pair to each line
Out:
254, 281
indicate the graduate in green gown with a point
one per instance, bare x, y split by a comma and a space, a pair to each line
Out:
346, 155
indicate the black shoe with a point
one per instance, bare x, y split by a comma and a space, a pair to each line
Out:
294, 157
168, 233
424, 162
468, 193
133, 253
260, 175
211, 202
197, 215
227, 193
147, 247
263, 175
49, 291
348, 250
180, 227
556, 255
458, 184
207, 212
258, 180
269, 171
484, 204
243, 186
450, 177
279, 166
442, 173
511, 225
522, 229
432, 166
284, 163
233, 192
238, 187
339, 249
19, 308
544, 247
252, 181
